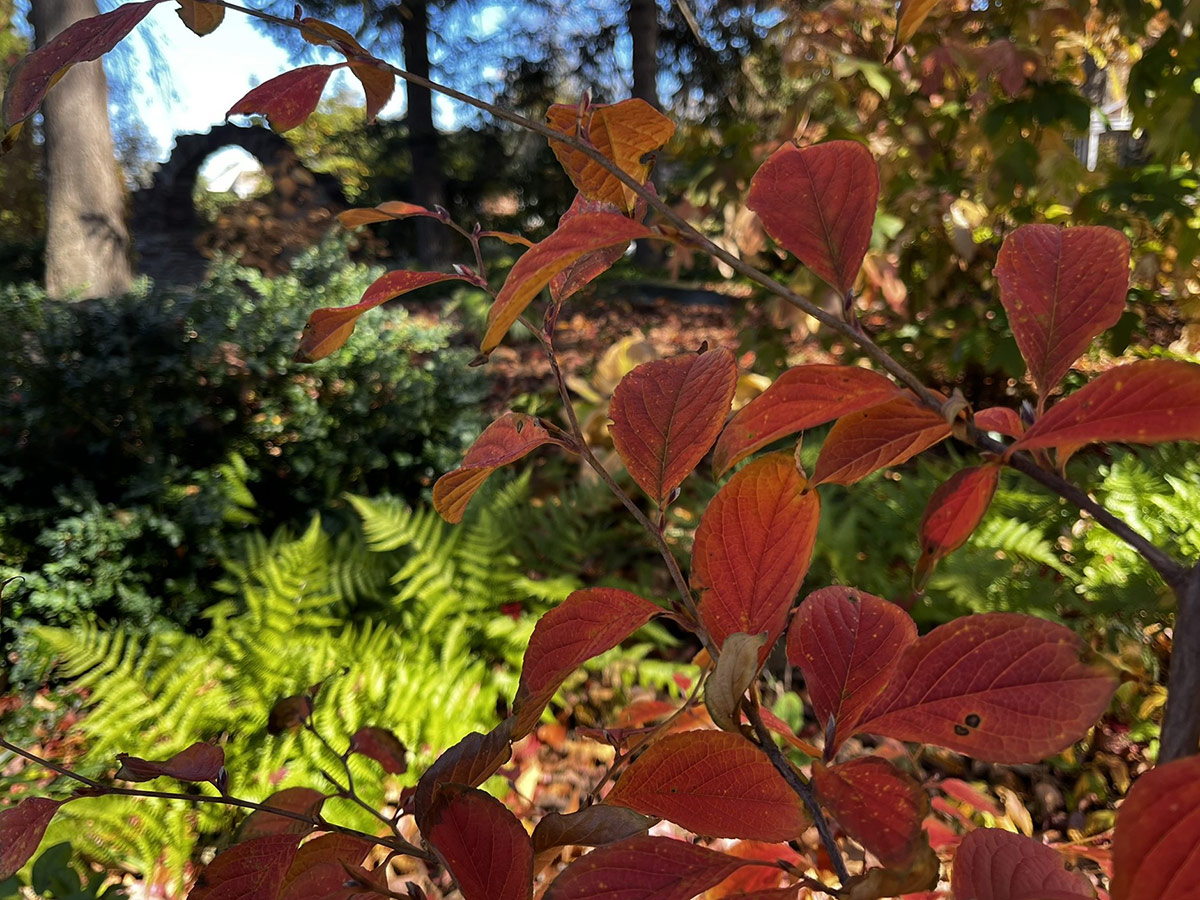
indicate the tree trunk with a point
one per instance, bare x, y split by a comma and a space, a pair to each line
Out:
428, 181
87, 243
643, 31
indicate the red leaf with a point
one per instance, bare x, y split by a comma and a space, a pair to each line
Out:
251, 870
993, 864
800, 398
81, 41
848, 644
666, 414
591, 826
286, 100
382, 746
294, 799
1001, 420
644, 868
317, 872
970, 795
1158, 830
885, 435
759, 882
199, 762
506, 440
819, 203
1061, 288
591, 265
999, 687
714, 783
783, 893
1145, 402
953, 513
533, 271
484, 846
878, 805
21, 830
586, 624
329, 328
753, 548
392, 210
470, 762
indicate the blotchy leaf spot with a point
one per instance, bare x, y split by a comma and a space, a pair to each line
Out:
819, 203
484, 846
666, 414
1022, 676
591, 826
714, 783
286, 100
644, 868
993, 864
953, 513
800, 398
753, 548
872, 439
1146, 402
199, 762
878, 805
470, 762
251, 870
1158, 830
21, 830
1061, 288
848, 644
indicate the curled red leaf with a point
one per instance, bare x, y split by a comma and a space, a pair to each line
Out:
953, 513
199, 762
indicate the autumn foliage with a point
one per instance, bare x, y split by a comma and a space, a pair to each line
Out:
1001, 688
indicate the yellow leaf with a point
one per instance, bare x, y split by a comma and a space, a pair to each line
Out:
908, 19
202, 18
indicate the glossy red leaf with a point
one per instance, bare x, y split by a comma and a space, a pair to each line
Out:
251, 870
586, 624
21, 830
1158, 830
753, 548
999, 687
591, 826
81, 41
644, 868
470, 762
506, 440
800, 398
318, 873
714, 783
286, 100
301, 800
993, 864
1061, 287
201, 18
876, 804
328, 329
533, 271
819, 203
666, 414
872, 439
1146, 402
199, 762
392, 210
382, 746
953, 513
848, 644
483, 845
1001, 420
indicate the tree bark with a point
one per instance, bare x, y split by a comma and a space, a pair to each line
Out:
1180, 735
87, 242
428, 181
643, 32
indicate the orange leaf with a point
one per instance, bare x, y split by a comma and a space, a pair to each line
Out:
506, 440
643, 868
294, 799
994, 864
753, 548
21, 830
378, 83
800, 398
533, 271
878, 805
587, 267
199, 762
286, 100
202, 18
714, 783
484, 846
251, 870
328, 329
626, 132
666, 414
470, 762
999, 687
317, 872
953, 513
81, 41
819, 203
908, 19
322, 34
848, 644
1146, 402
1061, 288
1001, 420
885, 435
586, 624
384, 212
1158, 830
